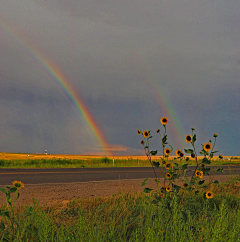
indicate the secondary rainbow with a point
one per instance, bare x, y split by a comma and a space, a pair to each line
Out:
147, 74
61, 81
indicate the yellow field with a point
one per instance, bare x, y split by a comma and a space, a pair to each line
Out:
19, 156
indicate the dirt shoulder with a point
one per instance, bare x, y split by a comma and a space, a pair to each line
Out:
57, 194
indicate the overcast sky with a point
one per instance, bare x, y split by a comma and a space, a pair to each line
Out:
131, 61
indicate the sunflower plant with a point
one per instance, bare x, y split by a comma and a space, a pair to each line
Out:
178, 172
9, 213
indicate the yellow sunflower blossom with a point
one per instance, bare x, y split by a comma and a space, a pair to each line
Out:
164, 120
168, 165
181, 154
158, 131
168, 188
178, 152
188, 138
138, 131
18, 184
142, 142
197, 173
145, 134
209, 194
162, 195
167, 151
200, 174
168, 175
207, 147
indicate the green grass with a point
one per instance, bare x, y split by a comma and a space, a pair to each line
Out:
131, 217
93, 162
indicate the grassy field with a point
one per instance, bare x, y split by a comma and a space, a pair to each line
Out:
10, 160
197, 211
125, 217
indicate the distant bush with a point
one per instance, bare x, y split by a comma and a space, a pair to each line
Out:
105, 160
2, 163
33, 162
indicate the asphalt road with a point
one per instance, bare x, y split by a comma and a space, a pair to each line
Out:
52, 176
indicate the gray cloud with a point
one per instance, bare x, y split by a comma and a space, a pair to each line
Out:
114, 54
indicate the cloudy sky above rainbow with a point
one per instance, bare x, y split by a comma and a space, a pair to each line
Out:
81, 76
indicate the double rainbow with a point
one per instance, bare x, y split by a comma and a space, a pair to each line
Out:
61, 81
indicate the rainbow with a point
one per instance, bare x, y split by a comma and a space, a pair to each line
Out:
61, 81
161, 98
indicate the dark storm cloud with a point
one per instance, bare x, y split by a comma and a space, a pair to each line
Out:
114, 53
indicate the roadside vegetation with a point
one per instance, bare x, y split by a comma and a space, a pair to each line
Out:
129, 217
97, 162
183, 208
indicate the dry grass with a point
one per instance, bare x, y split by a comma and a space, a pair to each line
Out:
25, 156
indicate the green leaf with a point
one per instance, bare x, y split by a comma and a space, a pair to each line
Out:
176, 164
201, 182
196, 192
18, 196
2, 226
184, 167
220, 169
187, 158
211, 156
144, 182
205, 186
163, 190
7, 186
189, 189
177, 188
29, 210
215, 151
216, 182
164, 139
175, 176
194, 138
155, 202
3, 190
153, 152
156, 164
188, 151
205, 171
6, 213
12, 189
147, 190
206, 161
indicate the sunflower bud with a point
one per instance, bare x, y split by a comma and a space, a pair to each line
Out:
215, 135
